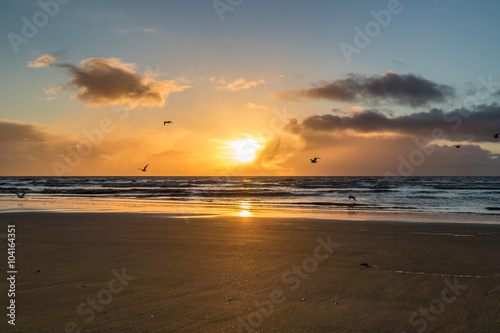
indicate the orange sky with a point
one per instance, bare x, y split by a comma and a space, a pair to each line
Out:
89, 93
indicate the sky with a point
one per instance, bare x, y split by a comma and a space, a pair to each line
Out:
252, 87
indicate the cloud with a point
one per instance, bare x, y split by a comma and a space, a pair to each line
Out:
278, 150
53, 90
256, 106
400, 63
406, 89
47, 99
109, 81
347, 109
220, 80
12, 131
42, 61
239, 84
478, 125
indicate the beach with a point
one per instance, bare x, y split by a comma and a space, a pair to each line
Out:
132, 272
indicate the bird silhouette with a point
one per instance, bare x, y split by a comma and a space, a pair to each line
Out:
167, 122
19, 195
143, 170
352, 197
314, 160
457, 146
496, 135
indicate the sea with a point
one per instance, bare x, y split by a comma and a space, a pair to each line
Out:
457, 199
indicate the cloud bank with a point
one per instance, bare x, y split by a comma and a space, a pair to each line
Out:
406, 89
368, 142
476, 125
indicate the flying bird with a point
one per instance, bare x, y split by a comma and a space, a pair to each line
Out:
352, 197
167, 122
457, 146
496, 135
143, 170
315, 160
19, 195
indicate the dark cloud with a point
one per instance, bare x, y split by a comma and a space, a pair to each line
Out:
11, 131
406, 89
28, 147
478, 125
109, 81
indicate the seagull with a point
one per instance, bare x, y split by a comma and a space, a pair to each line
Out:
19, 195
457, 146
496, 135
143, 170
314, 160
167, 122
352, 197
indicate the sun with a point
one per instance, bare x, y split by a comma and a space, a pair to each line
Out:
245, 150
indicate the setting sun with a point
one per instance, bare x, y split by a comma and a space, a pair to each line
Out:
244, 150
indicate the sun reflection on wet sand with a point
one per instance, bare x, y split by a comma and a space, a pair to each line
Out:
245, 207
244, 213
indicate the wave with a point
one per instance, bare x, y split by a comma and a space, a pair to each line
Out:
468, 187
432, 195
337, 204
384, 190
246, 193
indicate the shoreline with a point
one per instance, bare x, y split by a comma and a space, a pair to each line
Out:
227, 273
189, 210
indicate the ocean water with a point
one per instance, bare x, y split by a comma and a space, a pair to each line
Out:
462, 198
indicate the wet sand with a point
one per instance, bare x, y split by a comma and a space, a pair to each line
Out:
127, 272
